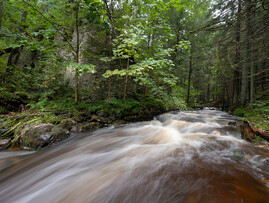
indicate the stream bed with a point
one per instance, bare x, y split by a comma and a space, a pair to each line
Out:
187, 156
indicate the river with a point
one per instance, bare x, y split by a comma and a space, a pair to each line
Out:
188, 156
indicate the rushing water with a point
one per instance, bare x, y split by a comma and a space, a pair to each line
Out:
191, 156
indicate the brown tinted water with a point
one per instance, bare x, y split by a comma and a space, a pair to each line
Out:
191, 156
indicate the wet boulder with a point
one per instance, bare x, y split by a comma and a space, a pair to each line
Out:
232, 123
41, 135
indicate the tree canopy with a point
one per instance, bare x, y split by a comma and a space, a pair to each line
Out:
176, 52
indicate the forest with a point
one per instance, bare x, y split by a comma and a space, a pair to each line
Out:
112, 61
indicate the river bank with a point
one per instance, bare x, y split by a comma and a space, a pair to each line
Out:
47, 123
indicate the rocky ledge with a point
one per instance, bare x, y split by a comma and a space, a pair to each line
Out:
38, 136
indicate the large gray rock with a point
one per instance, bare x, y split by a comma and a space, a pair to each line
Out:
41, 135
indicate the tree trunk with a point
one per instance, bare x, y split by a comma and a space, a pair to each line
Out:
111, 18
251, 46
246, 67
126, 81
109, 89
77, 55
189, 77
236, 80
208, 93
1, 7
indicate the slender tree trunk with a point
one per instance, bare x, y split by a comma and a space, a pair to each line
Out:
125, 86
189, 76
109, 89
251, 46
246, 67
126, 81
77, 55
227, 93
1, 8
111, 18
208, 93
236, 80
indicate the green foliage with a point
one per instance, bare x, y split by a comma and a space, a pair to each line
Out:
17, 122
68, 107
239, 112
258, 140
148, 44
175, 103
258, 115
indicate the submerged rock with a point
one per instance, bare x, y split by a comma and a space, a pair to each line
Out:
266, 162
239, 154
232, 123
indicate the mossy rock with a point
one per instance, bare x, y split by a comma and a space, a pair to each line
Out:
36, 136
67, 124
58, 133
41, 135
88, 126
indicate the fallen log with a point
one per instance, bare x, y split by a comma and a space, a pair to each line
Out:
249, 132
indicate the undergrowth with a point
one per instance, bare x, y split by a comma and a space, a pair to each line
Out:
258, 115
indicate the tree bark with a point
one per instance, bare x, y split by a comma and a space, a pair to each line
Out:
251, 16
247, 65
126, 81
111, 18
189, 76
109, 89
77, 55
1, 8
236, 80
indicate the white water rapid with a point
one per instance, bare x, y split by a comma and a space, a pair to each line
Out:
191, 156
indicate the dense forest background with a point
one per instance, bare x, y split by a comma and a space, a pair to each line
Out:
69, 56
